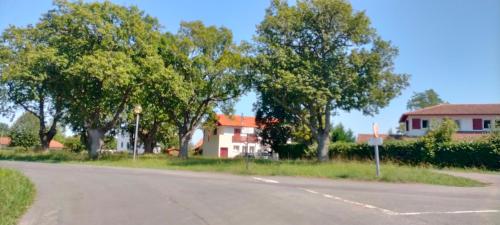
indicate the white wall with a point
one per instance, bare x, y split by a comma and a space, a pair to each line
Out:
224, 139
465, 123
210, 144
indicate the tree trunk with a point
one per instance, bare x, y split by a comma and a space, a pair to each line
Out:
149, 144
323, 135
184, 139
323, 143
95, 139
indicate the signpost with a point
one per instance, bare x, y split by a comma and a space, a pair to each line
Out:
376, 141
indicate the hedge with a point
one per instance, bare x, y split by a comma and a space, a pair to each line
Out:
484, 154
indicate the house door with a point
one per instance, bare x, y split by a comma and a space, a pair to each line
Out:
223, 152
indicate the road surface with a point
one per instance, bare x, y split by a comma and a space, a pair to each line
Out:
79, 194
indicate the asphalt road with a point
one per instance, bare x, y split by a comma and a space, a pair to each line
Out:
77, 195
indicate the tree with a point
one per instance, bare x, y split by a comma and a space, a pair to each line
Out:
31, 77
442, 131
207, 71
24, 131
340, 134
424, 99
110, 51
318, 57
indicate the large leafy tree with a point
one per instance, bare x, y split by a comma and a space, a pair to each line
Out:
341, 134
110, 52
320, 56
207, 71
424, 99
31, 72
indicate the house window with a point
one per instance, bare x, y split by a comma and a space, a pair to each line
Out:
425, 124
252, 149
245, 149
477, 124
457, 122
407, 125
215, 131
497, 123
415, 124
121, 144
237, 131
487, 124
236, 148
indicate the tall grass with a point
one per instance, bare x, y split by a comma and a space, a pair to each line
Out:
337, 169
16, 194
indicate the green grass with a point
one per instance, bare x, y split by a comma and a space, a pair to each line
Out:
337, 169
16, 195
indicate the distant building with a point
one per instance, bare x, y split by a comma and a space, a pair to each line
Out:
55, 145
124, 144
233, 136
471, 119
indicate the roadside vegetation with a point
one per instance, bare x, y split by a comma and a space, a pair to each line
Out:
337, 169
16, 194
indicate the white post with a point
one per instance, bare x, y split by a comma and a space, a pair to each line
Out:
377, 161
136, 133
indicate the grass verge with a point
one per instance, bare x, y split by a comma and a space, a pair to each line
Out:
16, 195
355, 170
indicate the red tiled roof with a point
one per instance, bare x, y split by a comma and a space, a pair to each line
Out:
236, 121
363, 138
455, 110
5, 140
55, 144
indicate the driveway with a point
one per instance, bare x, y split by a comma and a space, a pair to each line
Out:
79, 194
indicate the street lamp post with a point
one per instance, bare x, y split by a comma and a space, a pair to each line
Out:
137, 112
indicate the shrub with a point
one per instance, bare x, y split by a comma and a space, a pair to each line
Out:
484, 154
74, 144
291, 151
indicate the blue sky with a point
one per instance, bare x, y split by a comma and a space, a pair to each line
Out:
452, 46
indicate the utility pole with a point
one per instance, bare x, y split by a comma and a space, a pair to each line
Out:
137, 111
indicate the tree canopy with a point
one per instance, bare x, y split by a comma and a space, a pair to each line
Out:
110, 50
317, 57
24, 131
424, 99
207, 70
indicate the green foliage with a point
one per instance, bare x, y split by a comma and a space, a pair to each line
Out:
31, 76
441, 132
484, 154
4, 129
424, 99
205, 71
74, 144
110, 143
340, 134
291, 151
16, 195
317, 57
24, 131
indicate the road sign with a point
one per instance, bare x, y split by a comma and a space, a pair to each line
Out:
375, 141
375, 130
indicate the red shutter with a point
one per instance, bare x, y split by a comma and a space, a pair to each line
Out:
415, 123
477, 124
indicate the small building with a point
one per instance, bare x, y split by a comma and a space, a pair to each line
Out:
233, 136
124, 143
55, 145
471, 119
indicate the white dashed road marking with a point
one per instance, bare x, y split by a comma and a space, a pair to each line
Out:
266, 180
393, 213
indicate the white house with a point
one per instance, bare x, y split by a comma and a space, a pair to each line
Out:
470, 118
124, 144
233, 136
